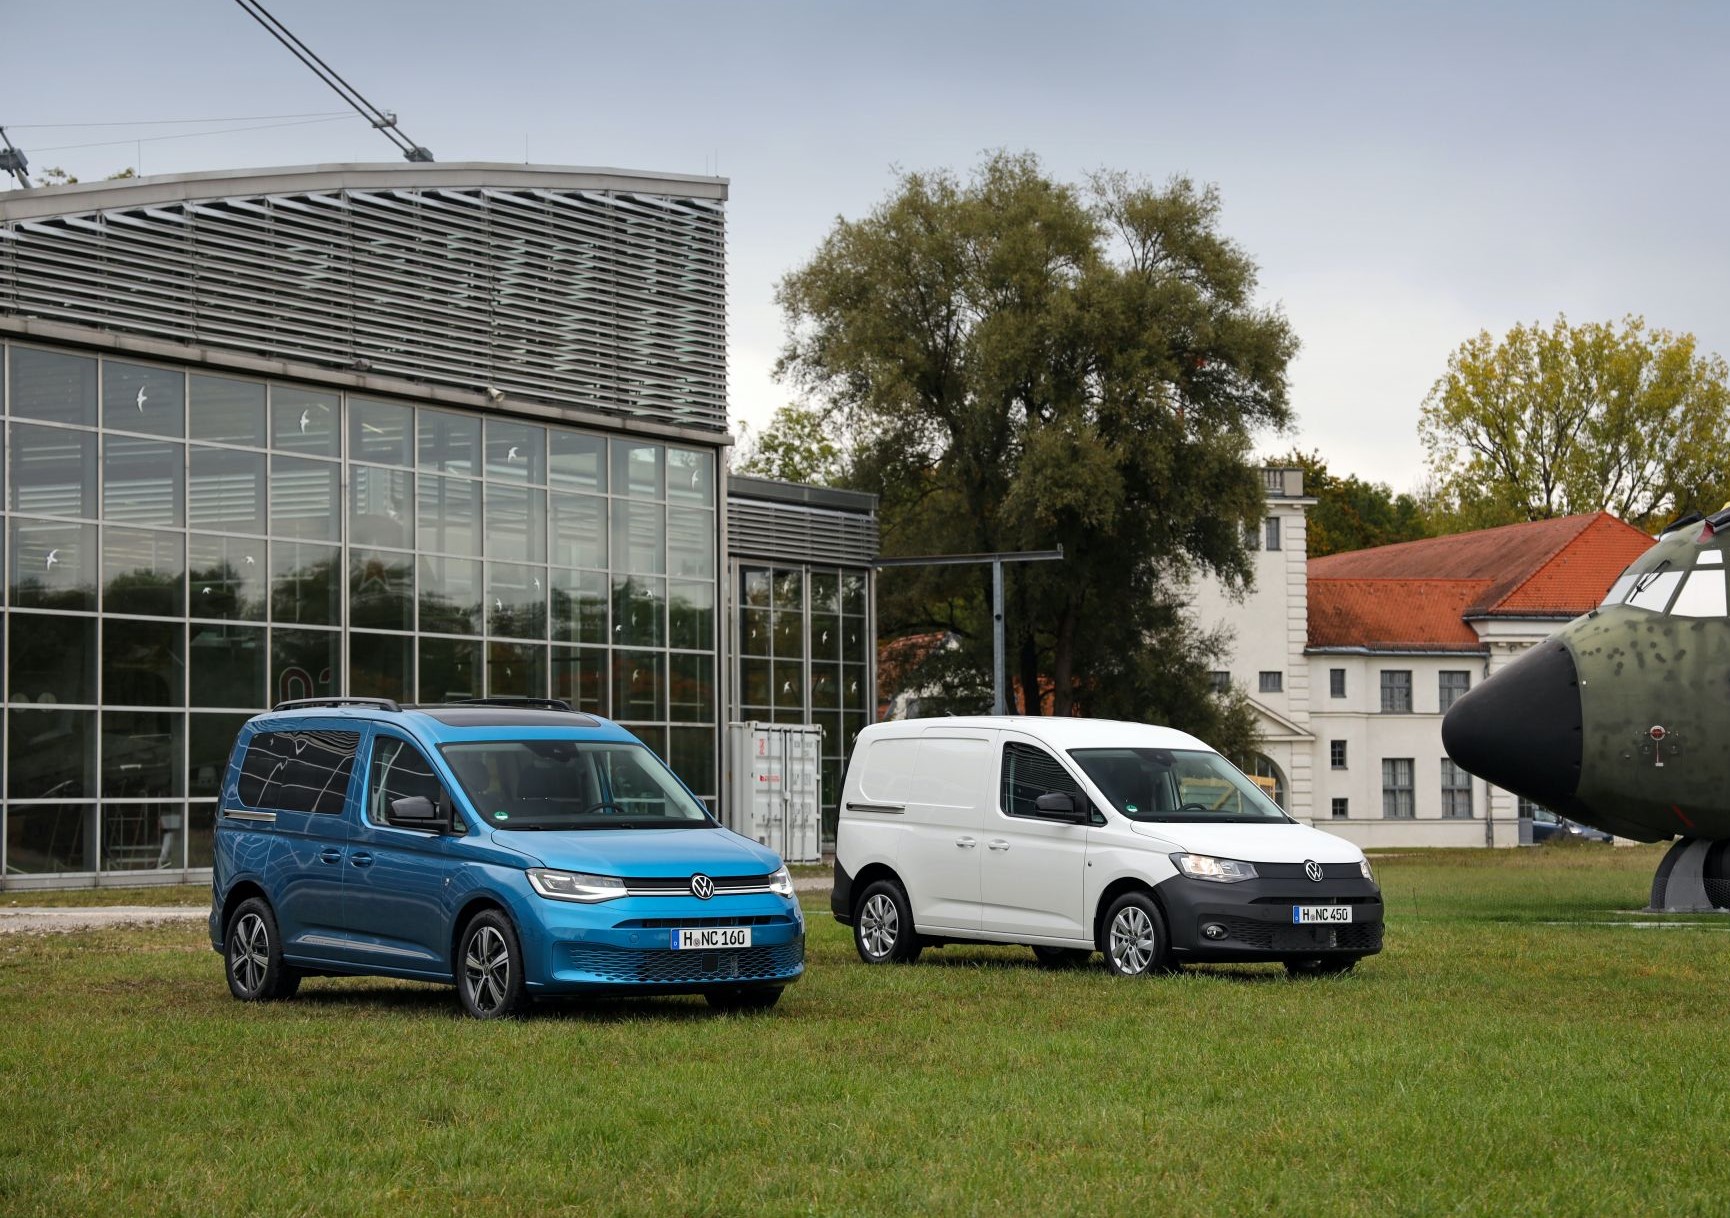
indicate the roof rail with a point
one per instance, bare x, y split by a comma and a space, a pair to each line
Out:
552, 704
308, 703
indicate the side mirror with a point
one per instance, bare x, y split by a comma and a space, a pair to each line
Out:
1061, 805
416, 812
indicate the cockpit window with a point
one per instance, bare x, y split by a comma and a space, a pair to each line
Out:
1618, 591
1654, 589
1701, 596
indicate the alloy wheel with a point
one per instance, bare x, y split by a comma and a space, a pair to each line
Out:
487, 969
1132, 940
249, 952
879, 925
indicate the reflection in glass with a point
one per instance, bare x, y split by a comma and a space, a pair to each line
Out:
825, 592
516, 452
450, 596
690, 615
226, 577
225, 410
789, 589
200, 835
304, 421
141, 755
380, 507
52, 755
53, 387
139, 398
691, 753
578, 525
225, 490
210, 739
381, 666
691, 476
654, 737
825, 685
380, 590
449, 668
142, 663
516, 523
789, 684
639, 685
303, 664
382, 432
580, 677
637, 469
754, 676
53, 838
53, 565
825, 636
754, 636
450, 443
53, 659
578, 460
516, 670
516, 601
852, 636
853, 686
639, 537
450, 515
143, 573
142, 481
639, 608
53, 471
303, 498
579, 606
788, 627
690, 543
225, 666
143, 837
853, 593
691, 688
305, 584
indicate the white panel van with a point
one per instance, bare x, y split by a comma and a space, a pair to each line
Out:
1083, 835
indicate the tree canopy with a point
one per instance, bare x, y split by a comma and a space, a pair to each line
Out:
1577, 418
797, 446
1021, 363
1351, 513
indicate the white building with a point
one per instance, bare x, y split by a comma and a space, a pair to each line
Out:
1350, 661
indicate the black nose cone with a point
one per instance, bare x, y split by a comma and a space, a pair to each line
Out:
1521, 728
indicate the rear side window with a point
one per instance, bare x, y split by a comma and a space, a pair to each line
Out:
1028, 773
298, 771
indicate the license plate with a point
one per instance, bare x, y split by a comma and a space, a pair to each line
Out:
711, 937
1303, 915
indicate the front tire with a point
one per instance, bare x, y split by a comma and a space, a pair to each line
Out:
252, 951
1134, 939
1321, 966
883, 925
754, 999
490, 968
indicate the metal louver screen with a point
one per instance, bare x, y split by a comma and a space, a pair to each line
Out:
604, 300
788, 532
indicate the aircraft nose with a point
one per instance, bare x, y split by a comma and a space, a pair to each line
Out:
1521, 728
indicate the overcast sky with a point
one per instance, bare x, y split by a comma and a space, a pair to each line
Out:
1403, 176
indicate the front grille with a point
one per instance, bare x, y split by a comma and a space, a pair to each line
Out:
682, 883
1310, 898
688, 968
1279, 937
698, 923
1295, 871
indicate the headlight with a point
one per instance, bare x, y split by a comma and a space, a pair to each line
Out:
1206, 867
1364, 866
575, 886
781, 883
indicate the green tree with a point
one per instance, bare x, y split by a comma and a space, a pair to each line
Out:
1350, 513
1022, 363
799, 445
1595, 417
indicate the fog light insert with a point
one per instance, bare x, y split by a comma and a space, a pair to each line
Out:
1213, 930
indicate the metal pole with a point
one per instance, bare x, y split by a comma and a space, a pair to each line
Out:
998, 705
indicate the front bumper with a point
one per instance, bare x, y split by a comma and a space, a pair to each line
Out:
1256, 918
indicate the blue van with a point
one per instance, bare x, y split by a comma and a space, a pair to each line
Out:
513, 847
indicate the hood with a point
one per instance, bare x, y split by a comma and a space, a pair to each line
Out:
1274, 843
643, 852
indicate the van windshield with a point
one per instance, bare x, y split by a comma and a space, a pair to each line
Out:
569, 784
1176, 785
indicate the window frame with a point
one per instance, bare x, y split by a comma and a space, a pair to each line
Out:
1336, 682
1337, 755
1078, 789
1446, 694
1271, 533
456, 825
1393, 790
1270, 681
1396, 687
1339, 808
1456, 781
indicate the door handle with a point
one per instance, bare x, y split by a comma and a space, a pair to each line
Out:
330, 854
998, 844
966, 843
361, 858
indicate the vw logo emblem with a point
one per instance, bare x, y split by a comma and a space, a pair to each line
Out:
1312, 869
702, 887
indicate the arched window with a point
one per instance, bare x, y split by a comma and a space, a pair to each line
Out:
1268, 777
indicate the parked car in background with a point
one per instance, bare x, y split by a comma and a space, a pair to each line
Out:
513, 848
1077, 835
1548, 826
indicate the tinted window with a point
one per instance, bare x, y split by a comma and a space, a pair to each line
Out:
1028, 773
298, 771
399, 771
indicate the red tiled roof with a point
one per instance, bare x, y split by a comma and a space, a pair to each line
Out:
1419, 594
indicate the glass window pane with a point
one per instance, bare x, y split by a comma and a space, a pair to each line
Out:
450, 596
53, 471
637, 469
226, 410
580, 677
380, 507
304, 421
754, 583
303, 664
381, 666
141, 754
516, 524
200, 834
578, 525
144, 837
691, 753
789, 683
579, 606
53, 565
788, 589
52, 838
754, 678
639, 611
380, 591
788, 627
516, 601
449, 668
754, 635
143, 663
450, 443
53, 387
654, 737
210, 739
825, 636
639, 685
450, 515
825, 685
853, 642
143, 573
140, 398
690, 543
226, 577
853, 686
305, 584
53, 659
303, 499
225, 666
690, 615
516, 452
691, 476
225, 490
143, 481
51, 754
381, 432
639, 537
825, 589
691, 688
853, 593
516, 670
578, 460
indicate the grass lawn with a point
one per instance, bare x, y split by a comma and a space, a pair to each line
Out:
148, 894
1519, 1048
